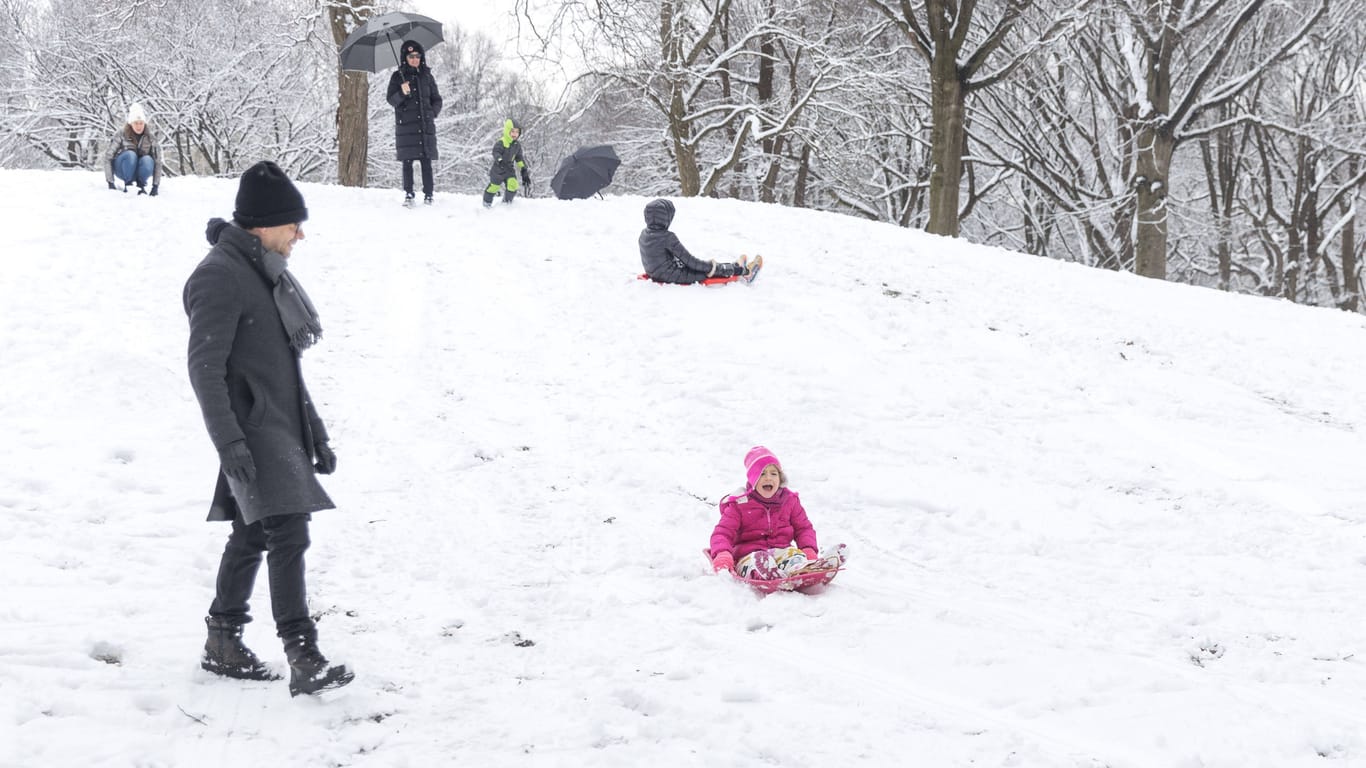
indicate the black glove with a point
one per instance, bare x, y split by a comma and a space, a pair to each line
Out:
153, 193
526, 176
327, 460
111, 185
236, 462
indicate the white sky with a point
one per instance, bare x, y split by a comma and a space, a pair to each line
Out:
494, 19
1093, 519
488, 16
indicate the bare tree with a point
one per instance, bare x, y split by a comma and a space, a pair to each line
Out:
261, 95
353, 95
1310, 139
1175, 51
1054, 126
957, 43
698, 68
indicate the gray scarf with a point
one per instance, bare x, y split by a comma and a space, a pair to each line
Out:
296, 310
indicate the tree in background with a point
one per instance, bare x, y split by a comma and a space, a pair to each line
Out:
1173, 56
1307, 172
957, 43
81, 63
1054, 127
705, 74
353, 95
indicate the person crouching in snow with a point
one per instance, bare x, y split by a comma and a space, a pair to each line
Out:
507, 161
758, 528
667, 261
134, 154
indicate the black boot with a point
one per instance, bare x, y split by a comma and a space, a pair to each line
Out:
224, 653
508, 195
488, 199
309, 671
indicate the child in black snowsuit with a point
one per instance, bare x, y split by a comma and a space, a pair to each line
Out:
667, 261
507, 160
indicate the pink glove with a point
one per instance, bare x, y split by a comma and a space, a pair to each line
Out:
723, 561
810, 553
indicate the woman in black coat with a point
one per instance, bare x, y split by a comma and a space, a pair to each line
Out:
416, 102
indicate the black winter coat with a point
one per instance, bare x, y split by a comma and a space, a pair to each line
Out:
663, 256
415, 114
249, 384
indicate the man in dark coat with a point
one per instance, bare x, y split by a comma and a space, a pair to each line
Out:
250, 322
417, 102
667, 261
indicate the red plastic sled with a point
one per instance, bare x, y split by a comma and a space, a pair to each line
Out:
802, 582
708, 281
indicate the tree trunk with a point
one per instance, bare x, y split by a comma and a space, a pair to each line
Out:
772, 145
949, 104
353, 128
680, 130
803, 171
1294, 263
353, 98
1150, 218
685, 154
1351, 281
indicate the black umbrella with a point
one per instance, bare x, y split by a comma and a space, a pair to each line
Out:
374, 45
585, 172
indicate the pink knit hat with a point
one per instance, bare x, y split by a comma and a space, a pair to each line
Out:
755, 461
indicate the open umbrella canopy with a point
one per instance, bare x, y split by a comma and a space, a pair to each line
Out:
373, 47
585, 172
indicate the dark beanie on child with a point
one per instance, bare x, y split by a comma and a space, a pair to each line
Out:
267, 198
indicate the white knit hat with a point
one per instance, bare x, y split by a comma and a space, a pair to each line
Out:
136, 114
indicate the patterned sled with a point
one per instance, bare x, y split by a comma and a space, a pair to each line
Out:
802, 582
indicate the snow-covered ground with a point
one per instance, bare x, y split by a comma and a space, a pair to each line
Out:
1094, 520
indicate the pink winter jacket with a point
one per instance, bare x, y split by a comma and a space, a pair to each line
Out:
750, 523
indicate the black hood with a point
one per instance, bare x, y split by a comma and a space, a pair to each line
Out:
659, 214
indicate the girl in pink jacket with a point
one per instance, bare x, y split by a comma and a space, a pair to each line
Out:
759, 526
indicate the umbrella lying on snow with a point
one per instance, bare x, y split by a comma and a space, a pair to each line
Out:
585, 172
373, 47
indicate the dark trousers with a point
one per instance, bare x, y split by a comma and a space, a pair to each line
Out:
285, 537
724, 269
427, 182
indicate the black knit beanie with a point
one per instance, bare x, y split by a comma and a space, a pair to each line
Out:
267, 198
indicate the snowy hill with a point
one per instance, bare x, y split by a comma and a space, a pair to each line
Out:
1094, 520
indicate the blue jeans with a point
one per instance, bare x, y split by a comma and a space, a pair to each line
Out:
128, 162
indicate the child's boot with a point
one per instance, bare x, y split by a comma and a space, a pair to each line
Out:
831, 560
488, 199
752, 269
508, 195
